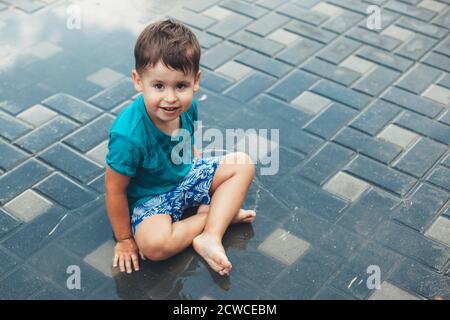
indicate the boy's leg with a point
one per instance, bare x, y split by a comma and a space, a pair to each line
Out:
229, 188
243, 216
158, 238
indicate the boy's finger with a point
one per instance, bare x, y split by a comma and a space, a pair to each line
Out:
122, 264
115, 260
128, 264
142, 255
135, 260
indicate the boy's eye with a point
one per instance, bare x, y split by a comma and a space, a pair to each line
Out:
158, 86
181, 86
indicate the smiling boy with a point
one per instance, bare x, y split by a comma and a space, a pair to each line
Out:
146, 190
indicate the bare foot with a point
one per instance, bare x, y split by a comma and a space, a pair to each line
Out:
213, 252
244, 216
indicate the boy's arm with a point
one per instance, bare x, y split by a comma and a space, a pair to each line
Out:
195, 152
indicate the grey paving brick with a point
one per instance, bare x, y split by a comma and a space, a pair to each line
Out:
373, 39
364, 144
346, 186
244, 8
200, 5
363, 217
26, 5
412, 244
91, 135
47, 134
325, 163
353, 5
251, 86
311, 102
426, 127
71, 107
206, 40
111, 97
353, 277
105, 77
421, 208
10, 155
415, 278
6, 262
441, 177
230, 25
98, 184
68, 161
310, 32
191, 18
388, 291
329, 293
295, 12
284, 37
439, 94
399, 33
412, 102
214, 81
28, 205
328, 9
217, 56
339, 50
293, 85
381, 175
37, 115
263, 63
421, 157
330, 121
375, 117
341, 242
416, 47
304, 279
12, 128
51, 293
385, 58
446, 162
270, 4
422, 27
342, 22
299, 52
440, 230
341, 94
330, 71
443, 19
425, 73
64, 191
433, 5
21, 284
445, 81
300, 141
257, 43
8, 224
21, 178
412, 11
376, 81
268, 24
438, 61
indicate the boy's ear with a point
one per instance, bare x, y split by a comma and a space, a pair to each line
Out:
197, 81
136, 80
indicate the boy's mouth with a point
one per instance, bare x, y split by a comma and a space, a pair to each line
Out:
169, 109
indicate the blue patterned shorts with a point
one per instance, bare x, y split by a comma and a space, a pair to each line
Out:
190, 192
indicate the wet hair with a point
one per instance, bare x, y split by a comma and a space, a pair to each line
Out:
170, 41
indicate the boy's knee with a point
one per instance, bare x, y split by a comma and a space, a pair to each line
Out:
244, 162
156, 249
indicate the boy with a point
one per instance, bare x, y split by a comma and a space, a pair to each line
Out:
146, 181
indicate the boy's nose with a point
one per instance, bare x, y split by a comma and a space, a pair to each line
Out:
170, 96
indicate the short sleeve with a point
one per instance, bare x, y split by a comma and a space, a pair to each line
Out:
123, 155
193, 111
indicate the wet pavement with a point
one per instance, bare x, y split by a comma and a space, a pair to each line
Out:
362, 183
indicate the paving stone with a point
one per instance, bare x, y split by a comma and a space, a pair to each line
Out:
270, 4
380, 175
91, 135
214, 82
397, 33
294, 84
251, 86
304, 279
357, 64
327, 9
310, 102
330, 121
432, 5
438, 61
11, 155
47, 134
385, 58
325, 163
217, 12
353, 5
426, 74
70, 162
299, 140
441, 177
412, 244
440, 231
98, 184
7, 223
257, 43
422, 125
105, 77
421, 157
409, 10
230, 25
98, 153
343, 22
310, 32
443, 47
284, 37
418, 210
21, 178
201, 5
375, 117
329, 293
263, 63
398, 136
206, 40
416, 47
11, 128
191, 18
296, 12
390, 292
37, 115
339, 50
28, 205
268, 24
244, 8
284, 247
364, 144
422, 27
219, 55
21, 284
445, 81
446, 162
345, 186
341, 94
26, 5
377, 81
423, 282
438, 94
101, 258
64, 191
299, 52
443, 19
329, 71
373, 39
72, 107
6, 262
366, 214
412, 102
111, 97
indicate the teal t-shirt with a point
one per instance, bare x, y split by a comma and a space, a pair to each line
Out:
138, 149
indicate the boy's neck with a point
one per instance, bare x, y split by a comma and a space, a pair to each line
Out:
166, 127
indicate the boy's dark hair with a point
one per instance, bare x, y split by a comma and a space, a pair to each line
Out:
172, 42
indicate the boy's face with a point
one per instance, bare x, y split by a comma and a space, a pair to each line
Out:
167, 92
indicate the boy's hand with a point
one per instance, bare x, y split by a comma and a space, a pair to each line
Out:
126, 253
